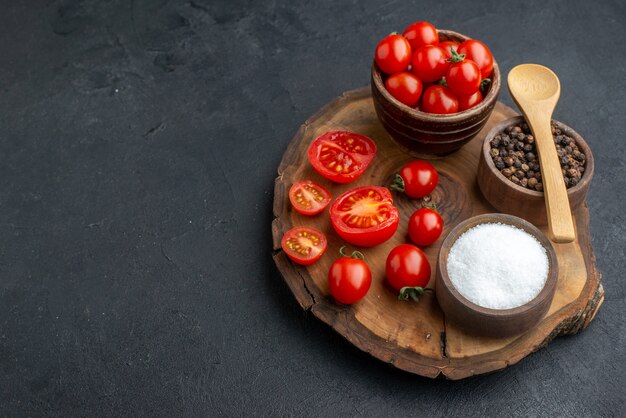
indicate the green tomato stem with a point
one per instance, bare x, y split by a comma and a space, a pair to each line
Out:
398, 184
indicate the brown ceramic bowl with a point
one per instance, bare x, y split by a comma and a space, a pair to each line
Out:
516, 200
424, 134
488, 322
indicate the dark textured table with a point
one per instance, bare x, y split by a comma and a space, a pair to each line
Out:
139, 145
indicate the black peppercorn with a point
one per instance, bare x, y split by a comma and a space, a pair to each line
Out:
514, 153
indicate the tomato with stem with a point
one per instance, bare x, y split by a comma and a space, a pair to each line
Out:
408, 271
304, 245
463, 75
341, 156
416, 179
365, 216
446, 45
349, 278
404, 87
478, 52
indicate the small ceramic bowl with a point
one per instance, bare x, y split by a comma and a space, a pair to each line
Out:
424, 134
488, 322
513, 199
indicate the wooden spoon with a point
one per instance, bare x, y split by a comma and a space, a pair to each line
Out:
536, 89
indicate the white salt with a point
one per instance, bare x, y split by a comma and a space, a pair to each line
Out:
498, 266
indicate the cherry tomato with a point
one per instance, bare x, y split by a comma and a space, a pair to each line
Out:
466, 102
304, 245
429, 63
417, 179
393, 54
439, 99
425, 226
446, 45
479, 53
365, 216
421, 33
463, 77
349, 279
308, 197
405, 87
407, 266
341, 156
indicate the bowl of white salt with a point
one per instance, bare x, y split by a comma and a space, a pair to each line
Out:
496, 275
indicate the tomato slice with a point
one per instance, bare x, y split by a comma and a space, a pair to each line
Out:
365, 216
304, 245
308, 197
341, 156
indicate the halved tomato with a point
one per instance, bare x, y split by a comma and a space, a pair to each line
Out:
308, 197
304, 245
365, 216
341, 156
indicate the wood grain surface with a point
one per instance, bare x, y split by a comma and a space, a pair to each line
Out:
415, 336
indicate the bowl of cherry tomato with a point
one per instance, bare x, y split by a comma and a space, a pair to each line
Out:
433, 90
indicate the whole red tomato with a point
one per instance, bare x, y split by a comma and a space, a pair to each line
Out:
405, 87
407, 266
439, 99
421, 33
349, 279
365, 216
479, 53
417, 179
429, 63
425, 226
463, 75
393, 54
467, 102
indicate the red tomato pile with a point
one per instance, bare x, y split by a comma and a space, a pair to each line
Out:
435, 77
363, 216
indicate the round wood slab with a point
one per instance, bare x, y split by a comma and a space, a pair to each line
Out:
416, 336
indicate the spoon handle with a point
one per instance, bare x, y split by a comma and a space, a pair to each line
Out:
560, 222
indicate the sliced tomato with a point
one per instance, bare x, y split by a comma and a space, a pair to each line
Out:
308, 197
341, 156
365, 216
304, 245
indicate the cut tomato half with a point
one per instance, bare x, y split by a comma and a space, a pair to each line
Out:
365, 216
308, 197
304, 245
341, 156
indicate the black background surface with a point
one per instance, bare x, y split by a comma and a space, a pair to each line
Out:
139, 145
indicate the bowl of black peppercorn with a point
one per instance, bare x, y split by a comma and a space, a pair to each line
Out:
509, 174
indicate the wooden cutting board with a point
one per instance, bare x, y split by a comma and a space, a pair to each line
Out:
416, 336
